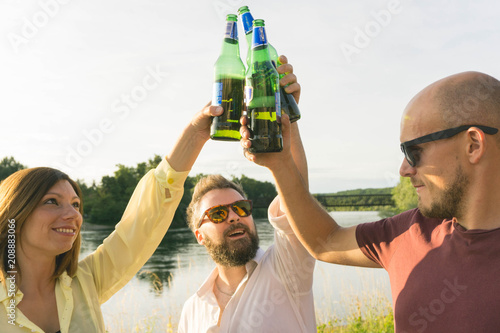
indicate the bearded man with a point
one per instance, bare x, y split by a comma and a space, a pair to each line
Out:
250, 290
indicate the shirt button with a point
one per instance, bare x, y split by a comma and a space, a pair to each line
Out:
170, 181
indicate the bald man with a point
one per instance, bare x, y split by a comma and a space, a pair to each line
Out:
443, 258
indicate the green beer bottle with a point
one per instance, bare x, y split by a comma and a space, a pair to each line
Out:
288, 103
262, 96
229, 82
247, 20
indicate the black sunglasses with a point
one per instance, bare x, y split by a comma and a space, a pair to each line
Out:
412, 158
219, 213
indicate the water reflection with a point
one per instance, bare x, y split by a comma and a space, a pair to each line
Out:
155, 296
177, 251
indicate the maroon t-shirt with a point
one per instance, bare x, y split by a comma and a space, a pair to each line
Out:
443, 278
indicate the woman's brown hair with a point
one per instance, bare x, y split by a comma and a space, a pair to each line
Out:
20, 194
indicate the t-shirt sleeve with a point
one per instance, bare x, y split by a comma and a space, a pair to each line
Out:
380, 240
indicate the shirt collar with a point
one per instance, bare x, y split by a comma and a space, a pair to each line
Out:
3, 290
206, 288
64, 279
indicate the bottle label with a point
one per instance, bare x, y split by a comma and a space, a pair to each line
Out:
278, 103
248, 94
259, 37
247, 20
231, 30
217, 94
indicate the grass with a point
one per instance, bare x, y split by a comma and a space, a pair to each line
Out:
363, 319
368, 313
367, 310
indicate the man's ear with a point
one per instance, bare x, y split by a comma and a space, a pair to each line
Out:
476, 145
199, 237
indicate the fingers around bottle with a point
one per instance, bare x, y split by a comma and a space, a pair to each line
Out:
245, 133
294, 89
249, 156
288, 79
215, 110
245, 143
283, 59
244, 120
285, 69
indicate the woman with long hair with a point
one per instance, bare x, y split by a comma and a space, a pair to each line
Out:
43, 285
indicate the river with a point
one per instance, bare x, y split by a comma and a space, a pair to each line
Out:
152, 301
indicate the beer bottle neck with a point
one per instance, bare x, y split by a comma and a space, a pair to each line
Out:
247, 20
230, 46
260, 46
249, 43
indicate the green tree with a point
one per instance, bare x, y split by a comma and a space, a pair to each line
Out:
8, 165
355, 200
88, 196
180, 220
405, 198
261, 193
106, 203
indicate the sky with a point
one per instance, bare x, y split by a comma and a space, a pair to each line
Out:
86, 85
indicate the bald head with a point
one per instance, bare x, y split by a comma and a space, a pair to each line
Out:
468, 98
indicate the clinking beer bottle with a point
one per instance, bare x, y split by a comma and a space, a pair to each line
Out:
262, 96
229, 82
247, 20
288, 103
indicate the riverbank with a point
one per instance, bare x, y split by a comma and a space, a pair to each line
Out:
366, 314
152, 301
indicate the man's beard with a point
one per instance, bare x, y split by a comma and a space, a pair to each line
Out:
450, 203
232, 253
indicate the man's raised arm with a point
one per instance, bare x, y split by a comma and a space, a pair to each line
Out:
315, 228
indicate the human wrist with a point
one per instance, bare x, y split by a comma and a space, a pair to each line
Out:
186, 149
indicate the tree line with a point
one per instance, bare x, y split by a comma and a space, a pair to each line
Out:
404, 197
355, 200
104, 202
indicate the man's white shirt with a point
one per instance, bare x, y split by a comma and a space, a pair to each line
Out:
274, 296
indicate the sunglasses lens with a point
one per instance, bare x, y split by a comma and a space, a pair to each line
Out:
242, 208
218, 214
410, 157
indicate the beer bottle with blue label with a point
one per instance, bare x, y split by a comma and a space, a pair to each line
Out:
288, 103
247, 20
262, 95
229, 83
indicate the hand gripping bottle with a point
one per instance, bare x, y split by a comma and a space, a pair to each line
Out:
288, 103
262, 95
